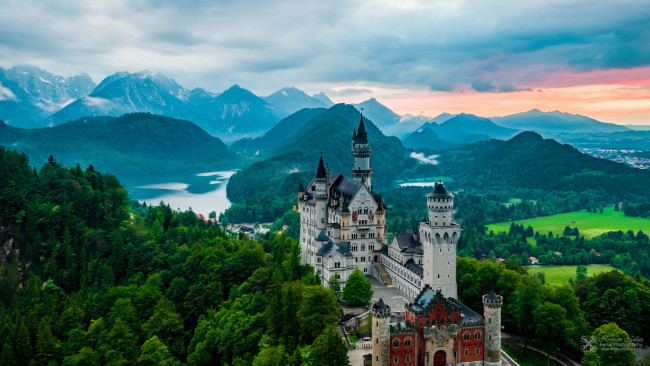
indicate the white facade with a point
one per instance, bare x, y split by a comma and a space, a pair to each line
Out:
342, 223
347, 212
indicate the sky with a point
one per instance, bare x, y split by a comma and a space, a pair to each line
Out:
490, 58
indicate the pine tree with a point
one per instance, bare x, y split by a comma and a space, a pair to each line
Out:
23, 347
8, 357
45, 343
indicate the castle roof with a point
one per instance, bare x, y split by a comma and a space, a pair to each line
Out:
380, 305
322, 236
428, 298
410, 264
331, 247
321, 172
407, 243
467, 315
492, 296
362, 135
439, 191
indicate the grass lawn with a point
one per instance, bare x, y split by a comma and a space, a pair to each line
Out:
559, 275
590, 224
532, 358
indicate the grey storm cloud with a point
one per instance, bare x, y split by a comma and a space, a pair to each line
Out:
441, 44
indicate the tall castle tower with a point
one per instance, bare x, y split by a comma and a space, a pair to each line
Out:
381, 334
320, 198
492, 313
439, 237
361, 152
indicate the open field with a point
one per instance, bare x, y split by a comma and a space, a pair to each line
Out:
559, 275
590, 224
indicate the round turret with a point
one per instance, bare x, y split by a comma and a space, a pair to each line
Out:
380, 333
440, 204
492, 312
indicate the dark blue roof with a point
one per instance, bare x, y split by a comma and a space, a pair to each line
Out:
407, 243
410, 264
440, 192
322, 236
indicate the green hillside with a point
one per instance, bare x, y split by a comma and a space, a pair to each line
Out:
529, 161
328, 133
133, 145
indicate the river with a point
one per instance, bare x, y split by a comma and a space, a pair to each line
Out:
204, 192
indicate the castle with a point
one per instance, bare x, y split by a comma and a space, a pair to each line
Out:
342, 227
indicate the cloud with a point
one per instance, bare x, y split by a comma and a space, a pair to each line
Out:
96, 102
347, 92
431, 159
6, 94
501, 46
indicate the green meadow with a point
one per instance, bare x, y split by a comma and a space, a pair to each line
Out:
559, 275
590, 224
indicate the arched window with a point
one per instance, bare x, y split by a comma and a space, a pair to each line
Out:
396, 360
466, 352
477, 335
407, 342
478, 351
466, 336
408, 358
396, 344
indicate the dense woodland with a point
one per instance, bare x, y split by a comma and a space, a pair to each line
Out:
88, 278
85, 282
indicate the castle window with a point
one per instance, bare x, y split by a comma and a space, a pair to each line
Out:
478, 351
477, 335
396, 359
466, 352
396, 344
407, 343
490, 321
466, 337
408, 358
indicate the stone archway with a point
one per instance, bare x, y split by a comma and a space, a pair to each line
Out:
440, 358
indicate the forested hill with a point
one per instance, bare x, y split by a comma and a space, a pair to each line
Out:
329, 133
85, 282
133, 145
266, 145
529, 161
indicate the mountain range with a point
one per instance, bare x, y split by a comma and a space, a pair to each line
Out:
536, 120
31, 97
29, 94
459, 129
291, 100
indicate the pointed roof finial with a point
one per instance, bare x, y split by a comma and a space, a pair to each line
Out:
362, 135
321, 173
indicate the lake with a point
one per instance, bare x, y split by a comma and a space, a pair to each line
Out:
203, 192
418, 184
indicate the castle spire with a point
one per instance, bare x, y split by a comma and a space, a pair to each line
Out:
362, 135
321, 172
